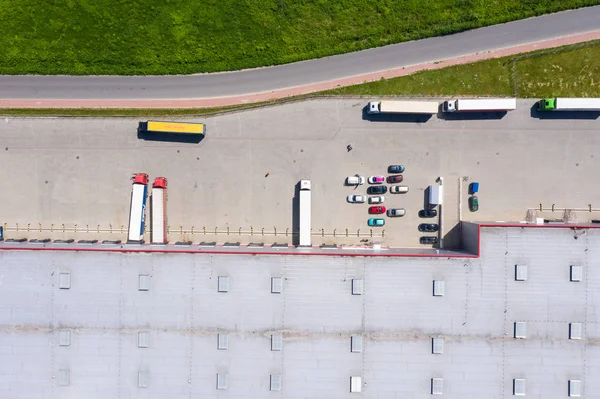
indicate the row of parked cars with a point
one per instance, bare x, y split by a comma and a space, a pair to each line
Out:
376, 193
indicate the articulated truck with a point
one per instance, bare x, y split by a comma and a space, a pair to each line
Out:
480, 105
159, 211
137, 209
403, 107
569, 104
305, 213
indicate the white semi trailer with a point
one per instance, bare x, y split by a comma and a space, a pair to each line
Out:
159, 211
305, 213
480, 105
403, 107
569, 104
137, 208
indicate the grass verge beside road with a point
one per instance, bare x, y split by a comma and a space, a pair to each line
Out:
572, 71
145, 37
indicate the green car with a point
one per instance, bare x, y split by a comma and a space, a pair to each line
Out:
374, 222
474, 204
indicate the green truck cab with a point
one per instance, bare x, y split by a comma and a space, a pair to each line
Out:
547, 104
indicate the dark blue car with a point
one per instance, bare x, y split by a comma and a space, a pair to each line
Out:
396, 169
377, 190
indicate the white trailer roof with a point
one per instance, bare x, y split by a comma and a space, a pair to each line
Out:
410, 107
578, 103
475, 104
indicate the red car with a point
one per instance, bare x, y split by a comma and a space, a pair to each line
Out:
394, 179
376, 209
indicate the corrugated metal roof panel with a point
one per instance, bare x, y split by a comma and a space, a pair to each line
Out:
439, 287
143, 282
576, 273
144, 379
276, 382
143, 339
519, 387
221, 381
65, 281
222, 342
355, 384
357, 286
575, 331
276, 285
521, 272
437, 345
64, 337
520, 329
276, 342
64, 377
575, 388
356, 343
223, 283
437, 386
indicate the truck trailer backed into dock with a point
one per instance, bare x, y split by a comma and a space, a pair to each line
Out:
137, 209
480, 105
305, 214
569, 104
403, 107
159, 211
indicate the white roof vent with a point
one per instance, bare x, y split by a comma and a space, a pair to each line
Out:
64, 337
520, 329
574, 388
276, 285
576, 273
222, 381
439, 287
357, 286
143, 339
144, 379
223, 283
223, 342
575, 331
355, 384
521, 272
356, 344
276, 342
143, 282
437, 345
64, 281
275, 382
437, 386
519, 387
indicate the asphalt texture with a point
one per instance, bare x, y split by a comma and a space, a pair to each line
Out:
303, 73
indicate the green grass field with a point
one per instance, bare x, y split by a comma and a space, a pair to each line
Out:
141, 37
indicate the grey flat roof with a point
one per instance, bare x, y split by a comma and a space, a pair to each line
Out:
315, 314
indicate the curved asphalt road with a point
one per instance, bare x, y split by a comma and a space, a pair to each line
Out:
231, 84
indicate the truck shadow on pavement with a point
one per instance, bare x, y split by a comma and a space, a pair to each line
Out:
469, 116
142, 134
408, 118
563, 114
296, 214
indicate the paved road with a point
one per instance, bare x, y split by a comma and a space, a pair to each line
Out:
303, 73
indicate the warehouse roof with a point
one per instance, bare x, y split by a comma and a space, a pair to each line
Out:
102, 324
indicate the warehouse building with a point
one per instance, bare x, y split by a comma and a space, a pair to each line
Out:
513, 315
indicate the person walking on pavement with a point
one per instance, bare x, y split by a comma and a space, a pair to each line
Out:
349, 147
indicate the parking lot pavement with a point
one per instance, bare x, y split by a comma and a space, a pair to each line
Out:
243, 175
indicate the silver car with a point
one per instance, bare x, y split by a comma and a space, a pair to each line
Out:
357, 199
396, 212
398, 189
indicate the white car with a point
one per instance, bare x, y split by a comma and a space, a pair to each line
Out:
396, 212
376, 179
378, 199
357, 199
398, 189
355, 180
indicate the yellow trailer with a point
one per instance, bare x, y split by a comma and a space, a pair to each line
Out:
175, 127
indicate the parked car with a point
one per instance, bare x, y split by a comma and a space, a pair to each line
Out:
428, 227
377, 190
375, 222
428, 240
378, 199
474, 203
394, 179
398, 189
376, 209
473, 188
396, 169
357, 199
376, 180
355, 180
427, 213
396, 212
